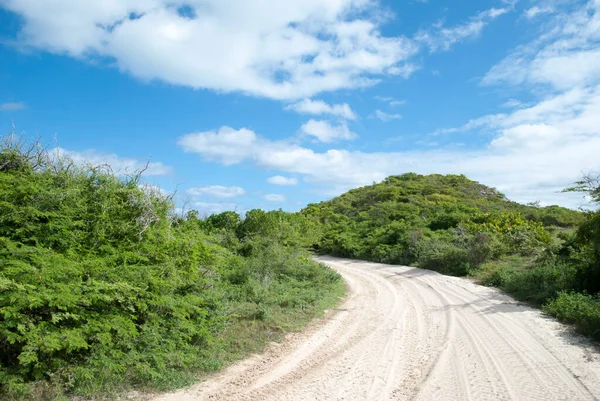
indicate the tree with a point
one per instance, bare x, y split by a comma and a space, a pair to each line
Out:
588, 236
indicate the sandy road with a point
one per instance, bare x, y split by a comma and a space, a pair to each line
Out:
412, 334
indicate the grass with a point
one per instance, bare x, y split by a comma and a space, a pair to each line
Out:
252, 330
245, 336
497, 272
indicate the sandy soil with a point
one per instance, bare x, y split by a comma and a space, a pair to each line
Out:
412, 334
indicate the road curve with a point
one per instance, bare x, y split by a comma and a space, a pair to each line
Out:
411, 334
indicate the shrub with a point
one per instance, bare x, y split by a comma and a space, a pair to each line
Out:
536, 283
581, 309
442, 256
102, 287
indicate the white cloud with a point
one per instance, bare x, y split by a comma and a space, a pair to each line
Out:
404, 71
537, 10
440, 38
337, 166
390, 100
280, 50
274, 198
566, 54
286, 50
12, 106
216, 207
385, 117
281, 180
511, 104
217, 191
119, 165
325, 132
319, 107
228, 145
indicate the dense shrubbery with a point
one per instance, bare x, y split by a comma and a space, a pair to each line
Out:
581, 309
445, 223
456, 226
103, 287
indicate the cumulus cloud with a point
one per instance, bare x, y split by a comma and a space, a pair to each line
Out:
119, 165
274, 198
226, 144
318, 107
341, 166
325, 132
281, 180
385, 117
12, 106
216, 191
282, 50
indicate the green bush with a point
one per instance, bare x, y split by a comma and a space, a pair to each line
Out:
536, 283
580, 309
443, 257
102, 287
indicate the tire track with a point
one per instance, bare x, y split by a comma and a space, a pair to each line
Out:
411, 334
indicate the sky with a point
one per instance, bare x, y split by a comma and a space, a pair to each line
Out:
242, 104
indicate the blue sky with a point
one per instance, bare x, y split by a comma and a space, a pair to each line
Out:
241, 104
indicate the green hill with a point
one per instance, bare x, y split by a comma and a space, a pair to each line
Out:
411, 218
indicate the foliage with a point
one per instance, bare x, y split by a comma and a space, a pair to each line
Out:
581, 309
102, 287
520, 236
446, 223
566, 277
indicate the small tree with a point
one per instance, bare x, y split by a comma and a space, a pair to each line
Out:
588, 236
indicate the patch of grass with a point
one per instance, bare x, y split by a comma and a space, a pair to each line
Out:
496, 273
250, 335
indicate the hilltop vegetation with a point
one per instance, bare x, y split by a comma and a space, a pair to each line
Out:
447, 223
543, 255
103, 287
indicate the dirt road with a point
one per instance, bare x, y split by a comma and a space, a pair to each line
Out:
412, 334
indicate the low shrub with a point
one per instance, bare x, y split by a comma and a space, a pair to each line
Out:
580, 309
536, 283
443, 257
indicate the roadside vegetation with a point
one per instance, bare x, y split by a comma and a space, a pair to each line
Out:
546, 256
103, 288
